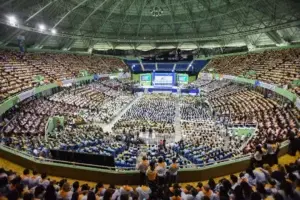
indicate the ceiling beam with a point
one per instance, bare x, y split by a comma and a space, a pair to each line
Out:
69, 12
172, 18
125, 17
6, 3
289, 24
109, 14
91, 13
40, 10
67, 46
41, 43
10, 37
141, 16
275, 37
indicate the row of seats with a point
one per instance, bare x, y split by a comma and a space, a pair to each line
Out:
280, 67
17, 71
243, 106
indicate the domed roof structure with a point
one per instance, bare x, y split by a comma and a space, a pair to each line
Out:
148, 24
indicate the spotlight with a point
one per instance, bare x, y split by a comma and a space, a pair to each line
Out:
12, 20
53, 31
42, 27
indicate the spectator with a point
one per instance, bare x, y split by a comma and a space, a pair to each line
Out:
50, 194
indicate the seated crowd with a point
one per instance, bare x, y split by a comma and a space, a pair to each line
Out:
205, 142
194, 108
31, 116
280, 67
17, 72
154, 112
97, 102
245, 106
256, 183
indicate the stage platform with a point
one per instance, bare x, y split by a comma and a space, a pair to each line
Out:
167, 89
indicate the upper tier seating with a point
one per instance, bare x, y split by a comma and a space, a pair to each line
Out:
165, 67
16, 72
280, 67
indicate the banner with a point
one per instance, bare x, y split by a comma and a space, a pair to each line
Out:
8, 104
244, 80
229, 77
68, 82
267, 86
44, 88
26, 94
205, 76
86, 78
291, 96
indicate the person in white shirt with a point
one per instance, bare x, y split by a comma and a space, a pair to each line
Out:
144, 192
173, 170
208, 192
161, 171
258, 155
194, 195
142, 167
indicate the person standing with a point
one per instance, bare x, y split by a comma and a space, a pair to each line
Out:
258, 156
272, 148
151, 176
161, 171
164, 144
173, 170
142, 167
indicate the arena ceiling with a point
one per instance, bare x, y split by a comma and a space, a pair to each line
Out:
150, 24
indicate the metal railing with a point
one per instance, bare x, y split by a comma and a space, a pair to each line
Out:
115, 169
125, 169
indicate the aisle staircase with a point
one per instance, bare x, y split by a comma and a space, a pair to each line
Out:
108, 127
177, 120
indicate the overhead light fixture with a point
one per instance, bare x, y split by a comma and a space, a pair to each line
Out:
156, 9
42, 27
53, 31
12, 20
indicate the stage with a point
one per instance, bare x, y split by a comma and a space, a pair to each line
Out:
167, 89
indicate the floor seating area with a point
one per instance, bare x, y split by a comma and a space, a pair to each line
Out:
154, 111
205, 142
97, 102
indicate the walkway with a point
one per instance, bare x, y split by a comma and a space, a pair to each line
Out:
177, 125
108, 127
